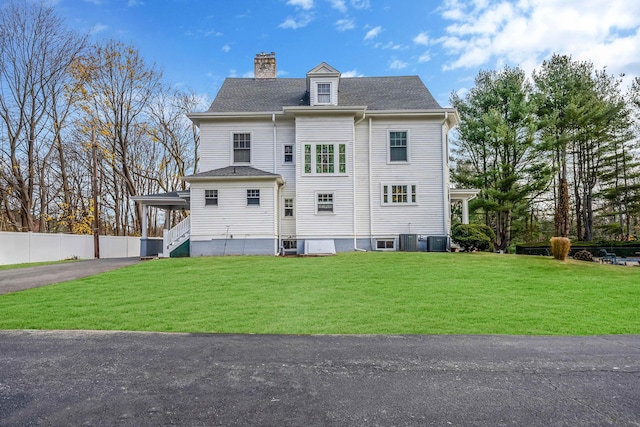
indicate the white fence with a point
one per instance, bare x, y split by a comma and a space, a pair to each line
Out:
18, 248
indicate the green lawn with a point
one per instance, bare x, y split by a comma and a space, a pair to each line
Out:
352, 293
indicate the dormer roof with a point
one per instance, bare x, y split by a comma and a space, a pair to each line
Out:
323, 70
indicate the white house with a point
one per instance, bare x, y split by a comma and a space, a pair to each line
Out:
317, 164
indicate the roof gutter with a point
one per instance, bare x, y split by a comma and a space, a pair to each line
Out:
278, 178
209, 115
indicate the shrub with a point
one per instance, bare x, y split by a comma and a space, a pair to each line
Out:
560, 247
472, 236
583, 255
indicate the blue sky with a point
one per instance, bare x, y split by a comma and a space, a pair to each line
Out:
198, 43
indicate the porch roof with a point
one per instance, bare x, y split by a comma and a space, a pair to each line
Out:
458, 194
173, 200
233, 173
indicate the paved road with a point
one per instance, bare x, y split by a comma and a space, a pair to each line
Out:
18, 279
136, 379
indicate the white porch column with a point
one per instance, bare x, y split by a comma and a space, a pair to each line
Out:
167, 219
145, 220
465, 211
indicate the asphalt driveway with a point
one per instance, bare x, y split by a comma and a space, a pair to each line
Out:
18, 279
147, 379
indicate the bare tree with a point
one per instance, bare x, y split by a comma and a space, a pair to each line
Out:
36, 51
118, 86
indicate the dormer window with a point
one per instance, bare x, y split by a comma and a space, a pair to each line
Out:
324, 93
323, 85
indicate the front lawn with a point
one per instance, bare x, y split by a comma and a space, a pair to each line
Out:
352, 293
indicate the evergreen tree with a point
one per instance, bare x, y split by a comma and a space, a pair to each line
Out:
495, 148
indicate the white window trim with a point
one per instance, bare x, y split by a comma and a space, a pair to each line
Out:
284, 207
389, 202
294, 241
318, 83
259, 197
333, 200
398, 162
251, 148
217, 198
336, 158
386, 240
293, 154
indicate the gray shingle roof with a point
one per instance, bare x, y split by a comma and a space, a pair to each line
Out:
376, 93
233, 171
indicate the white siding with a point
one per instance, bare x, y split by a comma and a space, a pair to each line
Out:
313, 89
309, 224
424, 168
362, 178
217, 142
286, 135
211, 222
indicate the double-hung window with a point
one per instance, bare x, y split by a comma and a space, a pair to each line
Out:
398, 146
211, 197
288, 153
288, 208
253, 197
329, 158
399, 194
241, 148
324, 93
324, 202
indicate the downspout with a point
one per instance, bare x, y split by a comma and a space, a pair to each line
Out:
275, 145
277, 223
370, 190
445, 173
355, 194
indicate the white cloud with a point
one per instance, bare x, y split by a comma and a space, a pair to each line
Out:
339, 5
360, 4
248, 75
226, 48
421, 39
98, 28
352, 73
133, 3
373, 33
392, 46
300, 21
425, 57
524, 32
345, 24
396, 64
304, 4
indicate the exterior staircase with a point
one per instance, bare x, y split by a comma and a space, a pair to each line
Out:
175, 239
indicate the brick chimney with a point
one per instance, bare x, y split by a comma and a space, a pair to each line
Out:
264, 66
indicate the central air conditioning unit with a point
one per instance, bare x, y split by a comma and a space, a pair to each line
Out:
409, 242
437, 243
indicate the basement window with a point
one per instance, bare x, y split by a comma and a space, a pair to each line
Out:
386, 244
